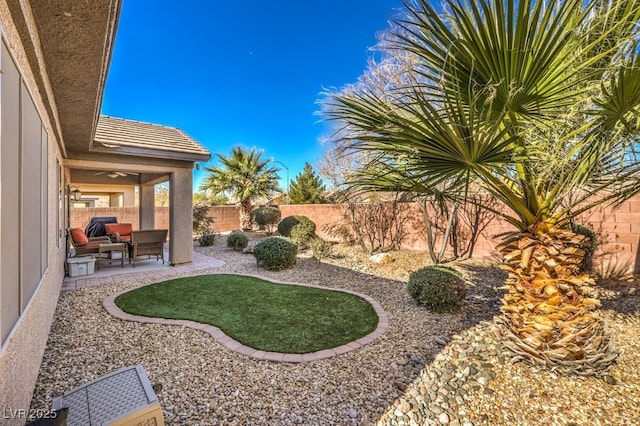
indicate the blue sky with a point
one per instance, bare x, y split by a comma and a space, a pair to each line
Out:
241, 73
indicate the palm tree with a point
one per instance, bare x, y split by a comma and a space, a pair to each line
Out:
533, 101
244, 176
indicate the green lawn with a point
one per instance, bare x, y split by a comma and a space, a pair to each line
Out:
258, 313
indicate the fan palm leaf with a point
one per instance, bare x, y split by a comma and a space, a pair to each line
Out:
243, 175
535, 102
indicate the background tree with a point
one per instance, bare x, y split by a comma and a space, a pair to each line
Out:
243, 176
202, 197
535, 102
161, 195
307, 188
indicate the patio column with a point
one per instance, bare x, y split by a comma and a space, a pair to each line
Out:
147, 213
181, 216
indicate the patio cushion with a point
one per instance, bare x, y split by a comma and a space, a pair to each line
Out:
79, 237
121, 231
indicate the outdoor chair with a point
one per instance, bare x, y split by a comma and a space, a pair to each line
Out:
148, 242
83, 244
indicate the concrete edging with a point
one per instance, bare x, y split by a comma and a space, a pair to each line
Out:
226, 341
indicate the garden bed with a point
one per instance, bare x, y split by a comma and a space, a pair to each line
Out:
446, 367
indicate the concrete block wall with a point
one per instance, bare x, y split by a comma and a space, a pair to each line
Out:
80, 217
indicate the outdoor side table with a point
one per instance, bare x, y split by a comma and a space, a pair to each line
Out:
122, 398
110, 248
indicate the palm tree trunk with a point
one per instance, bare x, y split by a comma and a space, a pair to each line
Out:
551, 318
245, 214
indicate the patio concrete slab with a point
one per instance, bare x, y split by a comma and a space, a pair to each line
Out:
145, 268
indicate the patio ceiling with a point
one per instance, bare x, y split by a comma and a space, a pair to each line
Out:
114, 177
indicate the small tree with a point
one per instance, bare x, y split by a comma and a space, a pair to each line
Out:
535, 102
307, 188
161, 197
202, 197
244, 176
201, 220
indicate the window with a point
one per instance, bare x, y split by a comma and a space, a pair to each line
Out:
23, 195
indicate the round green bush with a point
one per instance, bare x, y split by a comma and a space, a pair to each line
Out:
237, 241
266, 216
438, 288
300, 229
275, 253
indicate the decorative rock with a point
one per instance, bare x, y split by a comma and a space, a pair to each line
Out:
440, 341
443, 418
352, 413
381, 258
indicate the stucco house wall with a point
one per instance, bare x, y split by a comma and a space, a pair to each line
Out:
25, 339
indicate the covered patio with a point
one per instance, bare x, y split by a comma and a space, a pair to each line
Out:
132, 153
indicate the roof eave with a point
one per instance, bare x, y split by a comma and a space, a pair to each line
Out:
76, 40
155, 153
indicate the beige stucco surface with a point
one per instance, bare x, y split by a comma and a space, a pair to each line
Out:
62, 50
21, 352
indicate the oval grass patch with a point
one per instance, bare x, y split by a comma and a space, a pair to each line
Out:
258, 313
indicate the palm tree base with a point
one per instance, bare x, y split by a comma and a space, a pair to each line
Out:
593, 359
550, 317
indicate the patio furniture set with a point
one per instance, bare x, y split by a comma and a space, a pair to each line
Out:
107, 238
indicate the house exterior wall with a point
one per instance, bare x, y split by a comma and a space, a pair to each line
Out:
40, 252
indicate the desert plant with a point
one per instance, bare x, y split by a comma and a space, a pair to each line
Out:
201, 219
237, 241
207, 237
379, 225
266, 216
301, 235
275, 253
535, 102
338, 230
243, 175
299, 228
438, 288
320, 248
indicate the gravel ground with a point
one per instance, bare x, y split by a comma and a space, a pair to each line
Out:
426, 368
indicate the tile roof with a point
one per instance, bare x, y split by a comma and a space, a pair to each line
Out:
118, 135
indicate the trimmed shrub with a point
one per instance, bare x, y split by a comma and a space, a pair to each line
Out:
275, 253
299, 228
237, 241
266, 216
207, 238
438, 288
320, 249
